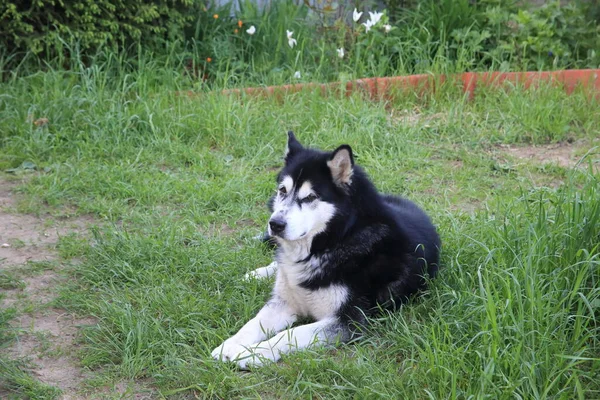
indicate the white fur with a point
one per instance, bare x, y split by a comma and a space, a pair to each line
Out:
303, 220
261, 273
272, 318
305, 190
249, 348
320, 303
288, 341
308, 219
288, 183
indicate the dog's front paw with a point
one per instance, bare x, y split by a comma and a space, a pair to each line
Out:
253, 358
251, 275
261, 273
228, 351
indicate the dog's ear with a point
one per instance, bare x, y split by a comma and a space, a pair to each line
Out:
293, 147
341, 164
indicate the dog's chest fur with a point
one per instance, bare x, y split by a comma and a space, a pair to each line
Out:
320, 303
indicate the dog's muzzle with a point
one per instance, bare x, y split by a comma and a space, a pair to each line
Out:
277, 226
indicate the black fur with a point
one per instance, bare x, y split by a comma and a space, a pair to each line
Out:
380, 246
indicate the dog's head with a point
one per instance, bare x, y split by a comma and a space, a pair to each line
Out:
311, 188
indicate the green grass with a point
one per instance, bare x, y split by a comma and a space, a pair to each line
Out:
178, 186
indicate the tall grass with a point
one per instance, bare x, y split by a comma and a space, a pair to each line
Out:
517, 313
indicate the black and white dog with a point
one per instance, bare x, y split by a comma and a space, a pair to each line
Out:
342, 250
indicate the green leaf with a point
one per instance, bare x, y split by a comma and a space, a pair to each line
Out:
28, 165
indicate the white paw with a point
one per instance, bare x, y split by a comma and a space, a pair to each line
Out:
261, 273
254, 358
251, 275
256, 274
227, 351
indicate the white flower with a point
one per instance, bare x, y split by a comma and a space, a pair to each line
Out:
368, 25
251, 30
387, 28
291, 41
297, 75
340, 52
356, 15
375, 17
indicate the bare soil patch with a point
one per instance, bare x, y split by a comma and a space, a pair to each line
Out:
47, 336
48, 339
564, 154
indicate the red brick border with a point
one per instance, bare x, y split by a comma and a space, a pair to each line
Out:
387, 88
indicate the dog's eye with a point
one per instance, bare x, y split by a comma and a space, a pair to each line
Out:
282, 190
310, 198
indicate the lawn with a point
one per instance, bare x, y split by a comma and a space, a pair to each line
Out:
177, 186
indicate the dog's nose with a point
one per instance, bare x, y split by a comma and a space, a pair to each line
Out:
277, 225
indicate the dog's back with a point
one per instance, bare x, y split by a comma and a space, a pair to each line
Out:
418, 229
410, 250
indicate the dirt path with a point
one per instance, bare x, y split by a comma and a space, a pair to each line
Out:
45, 335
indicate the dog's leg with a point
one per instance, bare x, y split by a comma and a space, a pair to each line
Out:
264, 272
320, 333
275, 316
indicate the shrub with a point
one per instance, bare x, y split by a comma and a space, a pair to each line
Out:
38, 26
552, 34
497, 32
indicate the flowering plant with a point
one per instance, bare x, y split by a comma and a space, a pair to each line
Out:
244, 43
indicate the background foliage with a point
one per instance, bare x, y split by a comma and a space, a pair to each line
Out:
212, 43
38, 26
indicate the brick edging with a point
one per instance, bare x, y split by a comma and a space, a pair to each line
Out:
387, 88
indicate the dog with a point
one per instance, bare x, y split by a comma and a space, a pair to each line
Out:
343, 251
